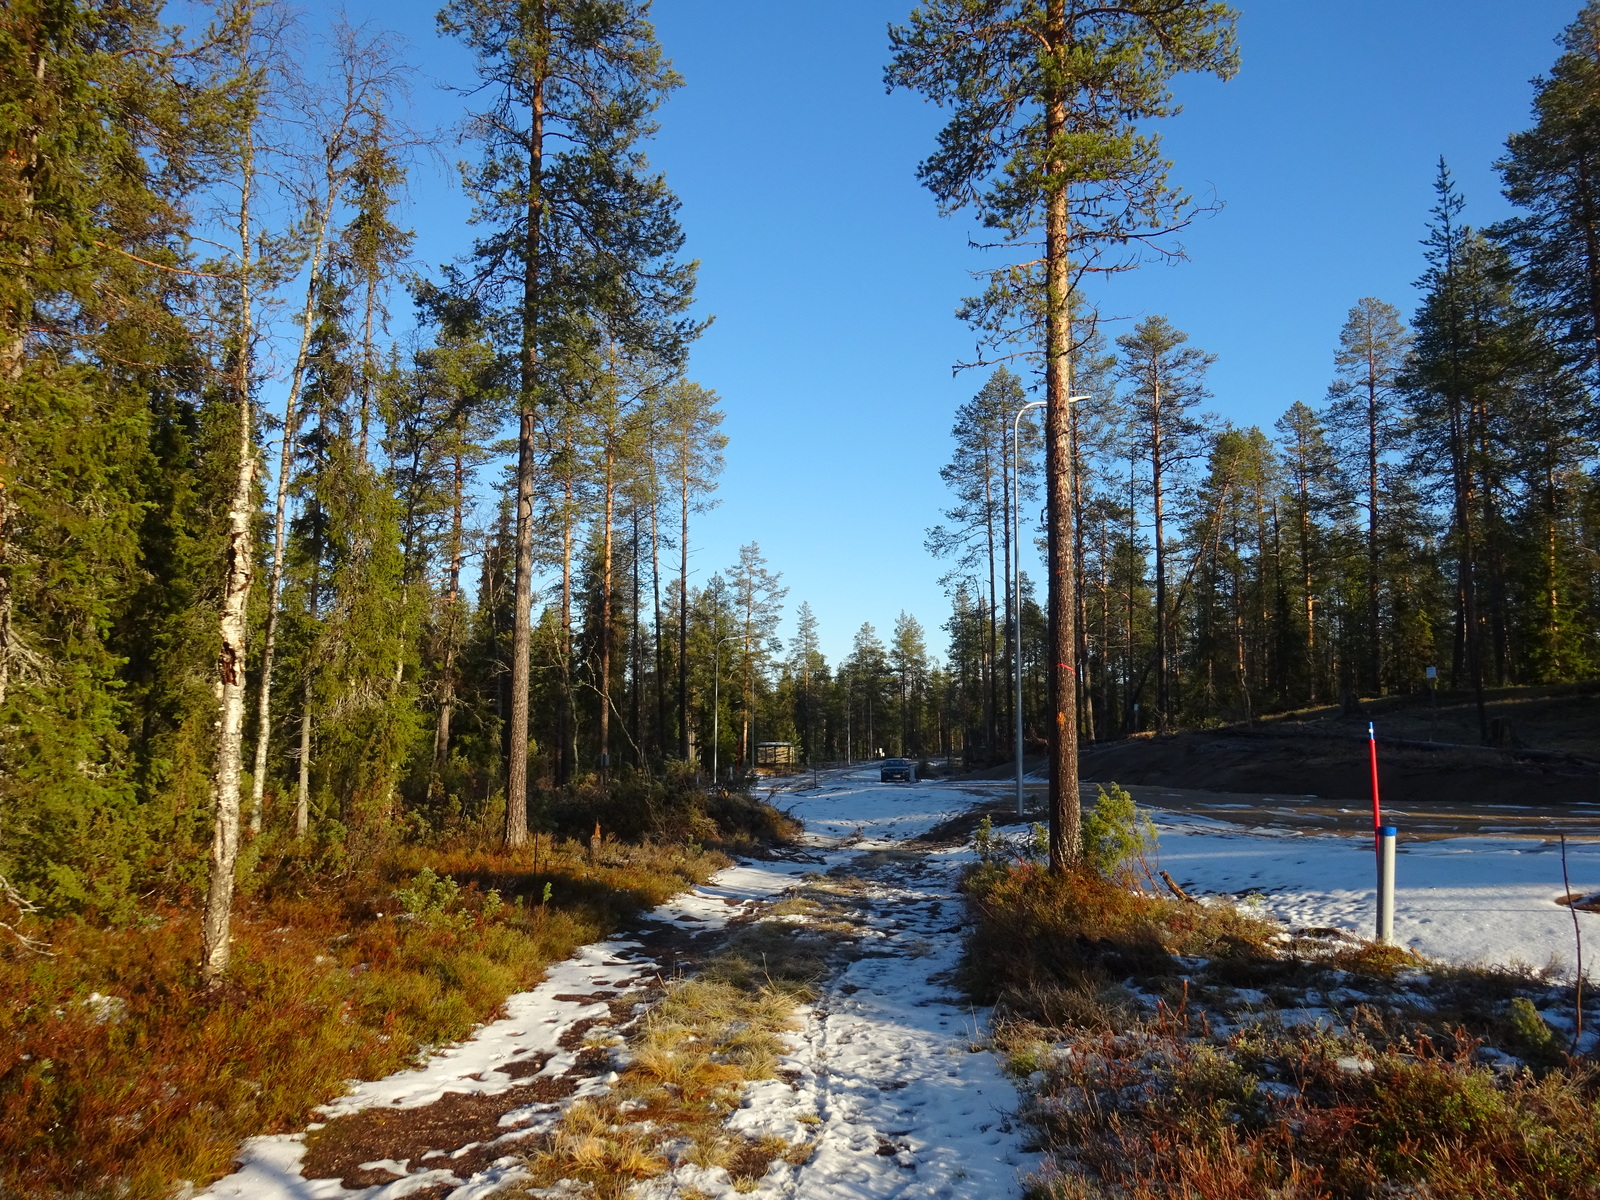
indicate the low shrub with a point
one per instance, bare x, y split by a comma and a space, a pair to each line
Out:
669, 808
1152, 1076
1117, 836
120, 1073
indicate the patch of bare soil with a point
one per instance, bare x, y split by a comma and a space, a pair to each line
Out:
468, 1123
1545, 751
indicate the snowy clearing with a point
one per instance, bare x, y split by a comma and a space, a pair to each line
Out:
1466, 900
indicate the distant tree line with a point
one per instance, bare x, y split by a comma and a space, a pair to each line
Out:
1438, 507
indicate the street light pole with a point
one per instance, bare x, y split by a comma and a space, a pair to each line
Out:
1016, 584
1016, 576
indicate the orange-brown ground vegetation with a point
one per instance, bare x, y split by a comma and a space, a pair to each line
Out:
1179, 1050
120, 1074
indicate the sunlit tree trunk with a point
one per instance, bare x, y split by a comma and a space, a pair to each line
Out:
516, 830
1065, 815
216, 930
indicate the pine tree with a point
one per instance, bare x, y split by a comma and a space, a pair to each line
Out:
1373, 347
580, 240
1165, 379
1049, 98
908, 658
979, 476
866, 669
1553, 172
455, 393
617, 407
691, 425
757, 603
810, 667
1314, 497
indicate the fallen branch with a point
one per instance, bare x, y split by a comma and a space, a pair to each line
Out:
25, 907
1176, 890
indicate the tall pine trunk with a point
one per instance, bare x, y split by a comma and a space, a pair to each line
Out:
1305, 584
1065, 815
1158, 506
1085, 697
991, 705
636, 698
683, 613
655, 586
605, 615
516, 829
1008, 638
452, 605
566, 718
1374, 627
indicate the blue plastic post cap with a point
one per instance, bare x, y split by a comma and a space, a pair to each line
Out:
1389, 831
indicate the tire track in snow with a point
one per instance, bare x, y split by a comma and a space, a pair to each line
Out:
902, 1097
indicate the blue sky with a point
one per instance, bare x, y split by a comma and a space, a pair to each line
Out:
833, 280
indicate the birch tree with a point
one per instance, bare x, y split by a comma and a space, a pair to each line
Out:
246, 42
341, 120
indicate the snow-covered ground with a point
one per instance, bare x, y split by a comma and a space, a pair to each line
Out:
1477, 899
486, 1064
889, 1081
907, 1103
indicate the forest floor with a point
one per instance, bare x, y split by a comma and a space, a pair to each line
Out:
878, 1083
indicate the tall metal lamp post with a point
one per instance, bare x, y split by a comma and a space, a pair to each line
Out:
1016, 576
716, 701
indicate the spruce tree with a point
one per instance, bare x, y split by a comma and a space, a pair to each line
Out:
1466, 349
347, 127
1552, 172
93, 295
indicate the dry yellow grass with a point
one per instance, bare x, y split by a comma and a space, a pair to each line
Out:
690, 1056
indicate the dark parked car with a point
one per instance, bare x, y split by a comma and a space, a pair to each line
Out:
898, 768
